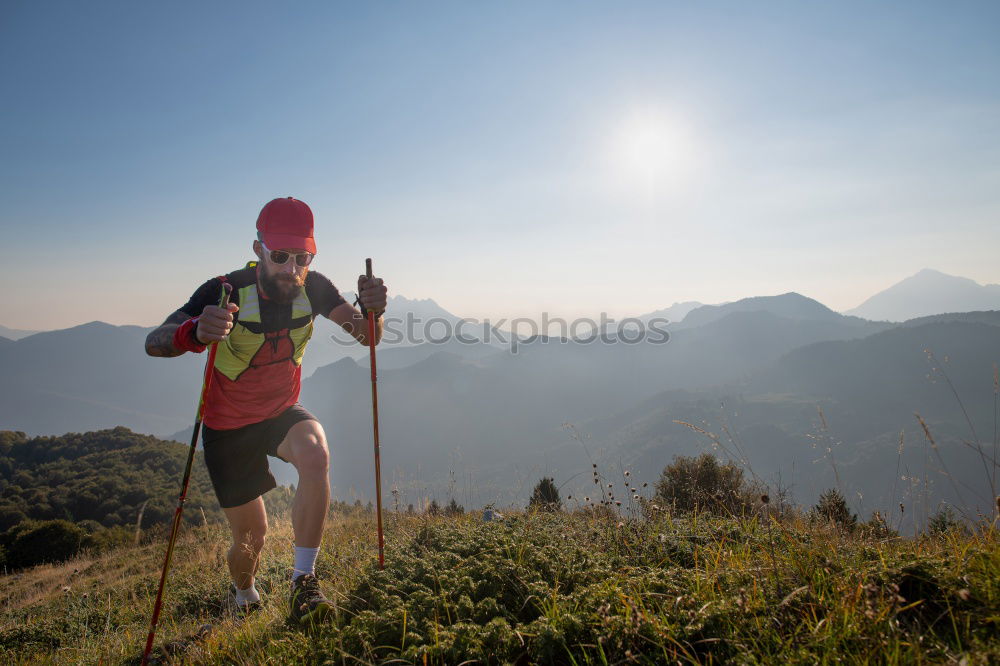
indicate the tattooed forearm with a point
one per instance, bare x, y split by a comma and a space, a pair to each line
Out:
160, 341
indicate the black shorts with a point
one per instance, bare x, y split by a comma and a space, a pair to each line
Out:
237, 459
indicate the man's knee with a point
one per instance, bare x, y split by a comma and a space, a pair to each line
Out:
309, 450
251, 538
256, 540
248, 524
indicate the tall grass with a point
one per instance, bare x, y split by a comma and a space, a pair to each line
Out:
584, 587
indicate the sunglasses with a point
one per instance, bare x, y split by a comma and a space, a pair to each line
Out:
280, 257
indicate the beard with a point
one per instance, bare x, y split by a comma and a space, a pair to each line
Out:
282, 287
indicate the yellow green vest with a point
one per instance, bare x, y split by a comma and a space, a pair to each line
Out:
247, 337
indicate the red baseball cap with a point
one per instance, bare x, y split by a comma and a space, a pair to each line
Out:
286, 224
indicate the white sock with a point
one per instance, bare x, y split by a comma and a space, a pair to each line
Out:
305, 561
247, 596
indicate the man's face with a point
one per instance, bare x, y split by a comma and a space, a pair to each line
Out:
281, 282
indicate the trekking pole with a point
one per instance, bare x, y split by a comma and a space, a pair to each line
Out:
206, 382
378, 467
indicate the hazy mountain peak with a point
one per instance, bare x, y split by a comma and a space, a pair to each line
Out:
929, 292
343, 367
398, 306
930, 274
674, 313
441, 359
95, 325
791, 305
15, 333
403, 299
80, 332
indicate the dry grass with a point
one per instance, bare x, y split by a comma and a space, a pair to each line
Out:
569, 588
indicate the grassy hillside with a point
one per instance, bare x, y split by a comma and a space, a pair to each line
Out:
565, 588
93, 490
107, 476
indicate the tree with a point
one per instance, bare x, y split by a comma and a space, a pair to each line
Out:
454, 509
433, 508
10, 516
705, 484
545, 496
877, 527
832, 507
944, 521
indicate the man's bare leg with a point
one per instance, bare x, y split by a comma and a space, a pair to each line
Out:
305, 447
248, 524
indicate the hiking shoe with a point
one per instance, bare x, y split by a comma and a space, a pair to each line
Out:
238, 609
308, 604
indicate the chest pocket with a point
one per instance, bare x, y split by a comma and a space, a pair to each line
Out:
247, 345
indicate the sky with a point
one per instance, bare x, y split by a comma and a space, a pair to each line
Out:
504, 159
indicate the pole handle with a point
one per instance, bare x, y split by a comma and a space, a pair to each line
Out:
368, 267
227, 289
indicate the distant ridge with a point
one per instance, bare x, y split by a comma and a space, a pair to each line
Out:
674, 313
928, 292
399, 306
991, 317
94, 376
790, 306
324, 347
15, 333
504, 412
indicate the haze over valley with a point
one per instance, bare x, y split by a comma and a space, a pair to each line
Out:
798, 394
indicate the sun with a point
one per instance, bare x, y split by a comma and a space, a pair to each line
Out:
653, 150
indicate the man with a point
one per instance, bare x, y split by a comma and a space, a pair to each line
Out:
251, 409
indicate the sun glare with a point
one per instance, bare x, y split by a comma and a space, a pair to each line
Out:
654, 151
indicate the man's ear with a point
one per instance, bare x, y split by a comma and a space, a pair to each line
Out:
258, 250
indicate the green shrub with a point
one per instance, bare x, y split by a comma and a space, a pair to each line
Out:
944, 521
106, 538
877, 527
37, 542
545, 496
454, 509
705, 484
832, 508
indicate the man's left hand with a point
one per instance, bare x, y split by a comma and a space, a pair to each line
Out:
372, 293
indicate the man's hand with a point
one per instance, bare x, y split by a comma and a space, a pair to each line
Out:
215, 323
372, 293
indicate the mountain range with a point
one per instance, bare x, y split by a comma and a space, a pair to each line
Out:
814, 398
497, 419
330, 344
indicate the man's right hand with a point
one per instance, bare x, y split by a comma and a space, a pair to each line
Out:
215, 323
